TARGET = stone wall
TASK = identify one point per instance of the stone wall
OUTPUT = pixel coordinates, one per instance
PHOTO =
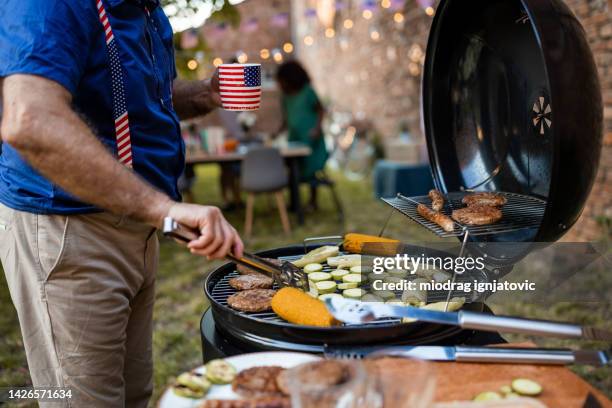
(373, 70)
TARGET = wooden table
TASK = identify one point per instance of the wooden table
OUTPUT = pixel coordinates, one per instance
(462, 381)
(292, 154)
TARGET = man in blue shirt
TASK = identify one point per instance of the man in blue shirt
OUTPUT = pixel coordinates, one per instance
(91, 155)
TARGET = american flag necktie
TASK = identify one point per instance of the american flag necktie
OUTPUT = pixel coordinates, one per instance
(120, 113)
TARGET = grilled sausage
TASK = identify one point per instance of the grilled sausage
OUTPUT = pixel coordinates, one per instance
(437, 200)
(442, 220)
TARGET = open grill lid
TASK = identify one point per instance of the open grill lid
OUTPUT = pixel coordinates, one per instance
(511, 102)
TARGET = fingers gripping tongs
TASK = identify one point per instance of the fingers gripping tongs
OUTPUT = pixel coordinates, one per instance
(284, 273)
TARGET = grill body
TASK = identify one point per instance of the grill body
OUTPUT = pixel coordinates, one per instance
(267, 329)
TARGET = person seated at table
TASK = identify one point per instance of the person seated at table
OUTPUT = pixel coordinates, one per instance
(302, 117)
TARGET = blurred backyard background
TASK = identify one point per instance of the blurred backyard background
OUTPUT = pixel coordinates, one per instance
(365, 59)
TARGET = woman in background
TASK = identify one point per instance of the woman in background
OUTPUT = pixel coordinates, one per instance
(302, 117)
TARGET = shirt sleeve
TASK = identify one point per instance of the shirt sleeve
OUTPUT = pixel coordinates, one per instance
(48, 38)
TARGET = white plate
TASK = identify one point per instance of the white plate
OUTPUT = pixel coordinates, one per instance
(241, 362)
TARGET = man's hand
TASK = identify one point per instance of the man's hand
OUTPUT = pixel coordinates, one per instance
(195, 98)
(217, 236)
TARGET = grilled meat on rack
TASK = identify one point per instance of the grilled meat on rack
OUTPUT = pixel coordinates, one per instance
(437, 217)
(437, 200)
(252, 300)
(477, 215)
(491, 199)
(251, 281)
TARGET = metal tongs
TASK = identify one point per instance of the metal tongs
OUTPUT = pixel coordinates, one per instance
(356, 312)
(284, 274)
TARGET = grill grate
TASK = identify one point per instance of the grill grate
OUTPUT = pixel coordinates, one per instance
(221, 290)
(520, 212)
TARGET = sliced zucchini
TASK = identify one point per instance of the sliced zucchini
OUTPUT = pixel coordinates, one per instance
(417, 295)
(512, 395)
(385, 294)
(488, 396)
(395, 302)
(329, 296)
(525, 386)
(312, 289)
(220, 372)
(344, 261)
(400, 273)
(317, 255)
(338, 274)
(356, 269)
(393, 279)
(505, 389)
(377, 276)
(344, 286)
(313, 267)
(325, 287)
(356, 293)
(352, 278)
(369, 297)
(455, 303)
(191, 385)
(319, 276)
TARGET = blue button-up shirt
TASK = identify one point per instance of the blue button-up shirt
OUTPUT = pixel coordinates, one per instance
(63, 40)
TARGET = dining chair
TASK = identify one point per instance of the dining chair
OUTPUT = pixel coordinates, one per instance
(263, 171)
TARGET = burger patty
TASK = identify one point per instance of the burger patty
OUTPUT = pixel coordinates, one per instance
(246, 282)
(477, 215)
(316, 375)
(491, 199)
(252, 300)
(245, 270)
(258, 382)
(264, 402)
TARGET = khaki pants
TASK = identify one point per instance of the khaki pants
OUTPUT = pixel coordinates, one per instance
(83, 287)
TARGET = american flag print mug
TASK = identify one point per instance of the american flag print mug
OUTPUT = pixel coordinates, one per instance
(240, 86)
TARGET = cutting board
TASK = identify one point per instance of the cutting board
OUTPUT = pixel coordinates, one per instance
(463, 381)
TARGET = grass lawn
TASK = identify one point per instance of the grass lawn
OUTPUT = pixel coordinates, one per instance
(181, 302)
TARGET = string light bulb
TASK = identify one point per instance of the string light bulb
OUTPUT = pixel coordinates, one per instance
(242, 58)
(192, 64)
(308, 40)
(330, 32)
(288, 47)
(375, 35)
(217, 61)
(398, 17)
(385, 4)
(348, 24)
(277, 56)
(367, 14)
(264, 53)
(430, 11)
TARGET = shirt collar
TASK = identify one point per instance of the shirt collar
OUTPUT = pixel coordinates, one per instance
(149, 4)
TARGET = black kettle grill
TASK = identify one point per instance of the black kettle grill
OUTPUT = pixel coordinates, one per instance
(511, 104)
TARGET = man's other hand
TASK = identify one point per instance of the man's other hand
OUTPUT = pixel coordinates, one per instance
(217, 236)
